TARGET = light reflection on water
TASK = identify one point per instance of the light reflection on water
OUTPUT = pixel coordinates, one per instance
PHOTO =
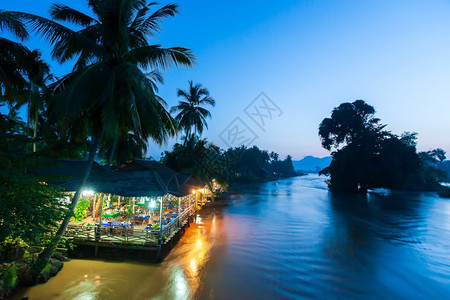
(287, 239)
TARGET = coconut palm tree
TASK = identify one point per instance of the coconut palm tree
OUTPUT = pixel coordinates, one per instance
(38, 76)
(191, 115)
(108, 87)
(12, 57)
(22, 72)
(128, 143)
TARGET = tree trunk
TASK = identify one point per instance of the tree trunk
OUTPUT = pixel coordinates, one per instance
(111, 155)
(28, 123)
(35, 130)
(49, 250)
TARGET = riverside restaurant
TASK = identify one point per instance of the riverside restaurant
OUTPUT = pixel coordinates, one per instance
(140, 205)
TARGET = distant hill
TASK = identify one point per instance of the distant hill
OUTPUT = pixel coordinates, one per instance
(311, 164)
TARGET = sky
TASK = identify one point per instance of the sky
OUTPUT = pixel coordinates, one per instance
(306, 57)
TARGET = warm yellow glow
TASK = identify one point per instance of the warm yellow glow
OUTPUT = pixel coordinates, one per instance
(193, 265)
(193, 192)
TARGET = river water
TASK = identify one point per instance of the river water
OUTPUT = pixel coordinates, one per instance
(289, 239)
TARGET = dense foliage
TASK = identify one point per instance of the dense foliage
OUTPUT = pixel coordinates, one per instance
(81, 210)
(206, 161)
(252, 164)
(197, 158)
(28, 207)
(365, 155)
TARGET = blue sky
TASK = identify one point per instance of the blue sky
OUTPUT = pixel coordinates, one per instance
(308, 57)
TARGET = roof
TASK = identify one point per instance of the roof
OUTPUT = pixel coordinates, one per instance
(137, 178)
(66, 173)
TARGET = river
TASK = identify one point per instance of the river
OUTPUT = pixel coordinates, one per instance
(289, 239)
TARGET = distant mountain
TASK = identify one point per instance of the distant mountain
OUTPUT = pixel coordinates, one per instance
(311, 164)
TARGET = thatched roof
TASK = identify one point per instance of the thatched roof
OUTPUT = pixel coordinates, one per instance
(137, 178)
(140, 178)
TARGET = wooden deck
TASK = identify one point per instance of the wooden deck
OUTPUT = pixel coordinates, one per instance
(117, 237)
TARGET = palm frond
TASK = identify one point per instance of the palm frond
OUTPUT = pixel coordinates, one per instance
(61, 12)
(155, 57)
(10, 22)
(151, 25)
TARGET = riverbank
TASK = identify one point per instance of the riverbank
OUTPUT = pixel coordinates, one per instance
(17, 272)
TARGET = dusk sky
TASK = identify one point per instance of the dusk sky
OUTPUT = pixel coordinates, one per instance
(308, 57)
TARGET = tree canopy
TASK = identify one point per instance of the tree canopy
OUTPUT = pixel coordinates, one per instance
(206, 161)
(365, 155)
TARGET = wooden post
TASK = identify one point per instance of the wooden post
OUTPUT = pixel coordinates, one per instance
(93, 207)
(101, 210)
(160, 219)
(118, 201)
(99, 228)
(179, 209)
(134, 205)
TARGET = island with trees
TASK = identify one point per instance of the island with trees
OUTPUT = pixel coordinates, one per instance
(366, 155)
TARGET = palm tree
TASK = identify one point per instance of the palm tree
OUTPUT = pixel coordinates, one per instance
(127, 143)
(22, 72)
(12, 57)
(38, 73)
(191, 114)
(108, 87)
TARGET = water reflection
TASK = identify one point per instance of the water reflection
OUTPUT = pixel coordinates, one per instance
(291, 239)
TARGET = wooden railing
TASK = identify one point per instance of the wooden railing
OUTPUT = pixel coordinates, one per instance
(170, 228)
(113, 235)
(185, 214)
(125, 236)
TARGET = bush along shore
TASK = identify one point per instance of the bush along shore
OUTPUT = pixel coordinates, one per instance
(17, 266)
(444, 192)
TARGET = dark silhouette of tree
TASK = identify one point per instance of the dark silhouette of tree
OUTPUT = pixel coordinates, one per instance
(365, 155)
(191, 115)
(252, 164)
(199, 159)
(13, 59)
(38, 77)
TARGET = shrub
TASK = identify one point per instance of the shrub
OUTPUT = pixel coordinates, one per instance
(10, 276)
(444, 192)
(81, 210)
